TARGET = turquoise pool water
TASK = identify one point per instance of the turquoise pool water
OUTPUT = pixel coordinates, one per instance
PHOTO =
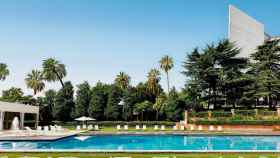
(150, 142)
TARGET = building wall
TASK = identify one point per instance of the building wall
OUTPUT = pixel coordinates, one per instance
(246, 32)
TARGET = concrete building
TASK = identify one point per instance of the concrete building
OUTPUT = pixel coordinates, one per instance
(246, 32)
(28, 115)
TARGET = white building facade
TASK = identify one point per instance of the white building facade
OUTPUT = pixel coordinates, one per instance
(246, 32)
(10, 110)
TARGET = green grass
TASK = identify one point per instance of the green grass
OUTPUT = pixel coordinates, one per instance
(144, 155)
(168, 130)
(132, 129)
(113, 129)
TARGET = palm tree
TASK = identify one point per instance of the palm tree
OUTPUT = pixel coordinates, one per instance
(34, 80)
(53, 70)
(122, 80)
(153, 80)
(4, 72)
(166, 64)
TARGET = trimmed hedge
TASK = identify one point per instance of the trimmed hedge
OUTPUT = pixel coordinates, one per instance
(114, 123)
(236, 122)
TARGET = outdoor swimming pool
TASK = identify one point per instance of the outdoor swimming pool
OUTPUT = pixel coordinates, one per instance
(150, 143)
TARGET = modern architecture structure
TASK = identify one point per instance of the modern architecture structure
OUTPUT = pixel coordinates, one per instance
(28, 115)
(246, 32)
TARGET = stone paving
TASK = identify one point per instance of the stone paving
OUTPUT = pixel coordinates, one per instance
(35, 135)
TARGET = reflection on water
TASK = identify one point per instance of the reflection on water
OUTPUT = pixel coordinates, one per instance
(152, 142)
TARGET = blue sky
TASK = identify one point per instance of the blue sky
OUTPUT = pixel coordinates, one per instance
(96, 39)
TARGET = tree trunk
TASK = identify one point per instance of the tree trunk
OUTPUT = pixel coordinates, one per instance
(167, 78)
(209, 100)
(60, 79)
(157, 116)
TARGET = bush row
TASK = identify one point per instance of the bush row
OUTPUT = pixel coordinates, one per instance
(239, 113)
(114, 123)
(236, 122)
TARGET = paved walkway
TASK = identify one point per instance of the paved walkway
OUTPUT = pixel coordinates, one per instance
(35, 135)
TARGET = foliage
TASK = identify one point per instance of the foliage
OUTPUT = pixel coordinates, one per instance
(12, 95)
(4, 71)
(160, 105)
(53, 70)
(46, 105)
(216, 78)
(174, 107)
(64, 103)
(83, 98)
(265, 72)
(122, 80)
(113, 108)
(153, 85)
(34, 80)
(113, 124)
(166, 64)
(28, 100)
(98, 102)
(129, 100)
(214, 74)
(142, 108)
(236, 122)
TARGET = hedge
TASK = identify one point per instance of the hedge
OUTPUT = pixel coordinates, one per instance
(236, 122)
(114, 123)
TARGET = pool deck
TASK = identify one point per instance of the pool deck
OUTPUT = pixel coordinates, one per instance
(35, 136)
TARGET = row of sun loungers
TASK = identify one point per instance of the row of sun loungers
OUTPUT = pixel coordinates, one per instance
(144, 127)
(54, 128)
(89, 127)
(45, 128)
(175, 128)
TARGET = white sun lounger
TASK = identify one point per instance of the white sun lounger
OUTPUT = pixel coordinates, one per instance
(162, 127)
(211, 128)
(28, 128)
(200, 128)
(46, 128)
(137, 127)
(78, 127)
(59, 128)
(144, 127)
(96, 127)
(118, 127)
(84, 126)
(156, 127)
(182, 127)
(39, 128)
(53, 129)
(220, 128)
(90, 127)
(175, 128)
(192, 127)
(125, 127)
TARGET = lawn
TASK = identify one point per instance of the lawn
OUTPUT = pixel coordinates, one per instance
(145, 155)
(113, 129)
(150, 129)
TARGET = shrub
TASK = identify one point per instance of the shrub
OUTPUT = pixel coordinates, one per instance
(115, 123)
(237, 122)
